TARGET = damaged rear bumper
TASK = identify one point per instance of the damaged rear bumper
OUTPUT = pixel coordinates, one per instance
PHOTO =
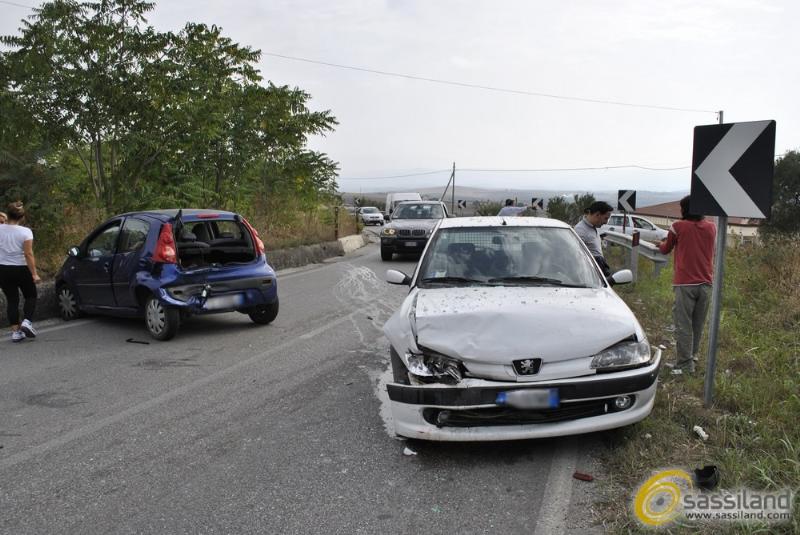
(468, 412)
(224, 296)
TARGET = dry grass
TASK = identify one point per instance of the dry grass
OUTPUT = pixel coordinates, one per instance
(754, 436)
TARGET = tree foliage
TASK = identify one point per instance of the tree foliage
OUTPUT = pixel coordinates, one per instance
(569, 211)
(785, 217)
(139, 118)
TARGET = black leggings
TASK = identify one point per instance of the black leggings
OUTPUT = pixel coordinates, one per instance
(12, 280)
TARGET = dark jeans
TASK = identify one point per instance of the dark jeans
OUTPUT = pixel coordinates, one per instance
(12, 280)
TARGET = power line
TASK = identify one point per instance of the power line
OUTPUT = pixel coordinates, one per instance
(489, 88)
(541, 170)
(15, 4)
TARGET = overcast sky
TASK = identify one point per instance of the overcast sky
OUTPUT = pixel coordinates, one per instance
(739, 56)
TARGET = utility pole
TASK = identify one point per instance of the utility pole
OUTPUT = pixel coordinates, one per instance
(453, 198)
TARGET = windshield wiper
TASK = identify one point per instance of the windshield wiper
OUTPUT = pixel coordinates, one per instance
(453, 279)
(538, 280)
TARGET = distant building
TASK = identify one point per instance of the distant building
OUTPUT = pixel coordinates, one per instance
(742, 228)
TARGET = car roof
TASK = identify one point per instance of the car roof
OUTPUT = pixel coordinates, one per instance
(189, 213)
(495, 221)
(419, 202)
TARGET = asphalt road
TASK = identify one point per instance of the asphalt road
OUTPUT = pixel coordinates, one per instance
(237, 428)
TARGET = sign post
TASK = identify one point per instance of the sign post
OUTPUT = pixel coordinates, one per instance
(732, 173)
(537, 203)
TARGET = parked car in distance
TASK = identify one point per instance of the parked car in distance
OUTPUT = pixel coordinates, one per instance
(393, 198)
(370, 215)
(410, 227)
(648, 230)
(511, 331)
(167, 265)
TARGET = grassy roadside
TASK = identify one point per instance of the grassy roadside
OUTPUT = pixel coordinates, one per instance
(754, 436)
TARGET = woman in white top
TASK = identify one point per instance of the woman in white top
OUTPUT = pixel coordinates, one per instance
(18, 272)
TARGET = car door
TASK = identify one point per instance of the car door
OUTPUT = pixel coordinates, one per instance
(646, 230)
(614, 224)
(92, 273)
(130, 248)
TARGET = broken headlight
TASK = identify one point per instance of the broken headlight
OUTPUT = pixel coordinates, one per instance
(626, 354)
(433, 365)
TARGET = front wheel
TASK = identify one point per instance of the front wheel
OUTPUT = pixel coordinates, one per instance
(68, 304)
(264, 314)
(162, 321)
(386, 254)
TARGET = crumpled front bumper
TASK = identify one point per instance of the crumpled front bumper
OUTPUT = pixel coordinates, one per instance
(415, 408)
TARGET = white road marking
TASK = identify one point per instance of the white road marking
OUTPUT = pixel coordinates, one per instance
(158, 400)
(557, 492)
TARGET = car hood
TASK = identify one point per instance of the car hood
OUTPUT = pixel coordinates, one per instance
(500, 324)
(427, 224)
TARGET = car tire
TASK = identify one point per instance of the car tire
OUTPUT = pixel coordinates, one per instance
(161, 321)
(386, 254)
(399, 370)
(68, 307)
(265, 314)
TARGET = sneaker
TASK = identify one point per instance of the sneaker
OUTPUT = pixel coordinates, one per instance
(27, 328)
(17, 336)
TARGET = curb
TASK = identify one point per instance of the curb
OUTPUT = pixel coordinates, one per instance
(278, 259)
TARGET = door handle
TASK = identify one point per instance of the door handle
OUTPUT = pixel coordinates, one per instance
(106, 266)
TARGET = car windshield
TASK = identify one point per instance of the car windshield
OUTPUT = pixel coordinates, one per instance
(507, 256)
(370, 210)
(418, 211)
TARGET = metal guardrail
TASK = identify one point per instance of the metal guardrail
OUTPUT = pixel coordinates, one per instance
(644, 248)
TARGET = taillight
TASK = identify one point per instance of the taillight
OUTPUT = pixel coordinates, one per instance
(165, 248)
(256, 239)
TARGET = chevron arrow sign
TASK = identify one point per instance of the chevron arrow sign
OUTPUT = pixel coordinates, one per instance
(732, 169)
(626, 200)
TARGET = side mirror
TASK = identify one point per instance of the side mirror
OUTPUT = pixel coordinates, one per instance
(74, 252)
(397, 277)
(623, 276)
(386, 217)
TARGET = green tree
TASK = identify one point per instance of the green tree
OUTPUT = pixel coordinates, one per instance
(569, 211)
(558, 208)
(785, 217)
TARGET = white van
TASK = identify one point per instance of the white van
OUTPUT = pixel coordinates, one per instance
(393, 198)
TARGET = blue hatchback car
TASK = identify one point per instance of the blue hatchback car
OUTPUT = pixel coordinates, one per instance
(167, 265)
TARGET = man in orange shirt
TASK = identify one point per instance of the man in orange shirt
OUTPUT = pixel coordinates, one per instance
(693, 239)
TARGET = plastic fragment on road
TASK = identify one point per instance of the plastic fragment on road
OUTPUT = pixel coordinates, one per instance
(700, 432)
(132, 341)
(409, 451)
(583, 477)
(677, 371)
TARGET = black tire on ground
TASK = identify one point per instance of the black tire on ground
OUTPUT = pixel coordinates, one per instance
(399, 370)
(162, 322)
(386, 254)
(68, 307)
(264, 314)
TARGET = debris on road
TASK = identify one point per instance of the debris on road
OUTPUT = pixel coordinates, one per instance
(677, 371)
(409, 451)
(132, 341)
(707, 477)
(648, 436)
(582, 476)
(700, 432)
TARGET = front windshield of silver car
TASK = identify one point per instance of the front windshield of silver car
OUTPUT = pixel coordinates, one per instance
(418, 211)
(507, 256)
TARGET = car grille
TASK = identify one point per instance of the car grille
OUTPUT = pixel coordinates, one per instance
(494, 416)
(411, 232)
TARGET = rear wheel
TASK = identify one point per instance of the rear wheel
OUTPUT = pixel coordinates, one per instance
(386, 254)
(161, 321)
(68, 304)
(264, 314)
(399, 370)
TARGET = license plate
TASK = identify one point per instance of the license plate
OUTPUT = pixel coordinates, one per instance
(411, 244)
(224, 301)
(544, 398)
